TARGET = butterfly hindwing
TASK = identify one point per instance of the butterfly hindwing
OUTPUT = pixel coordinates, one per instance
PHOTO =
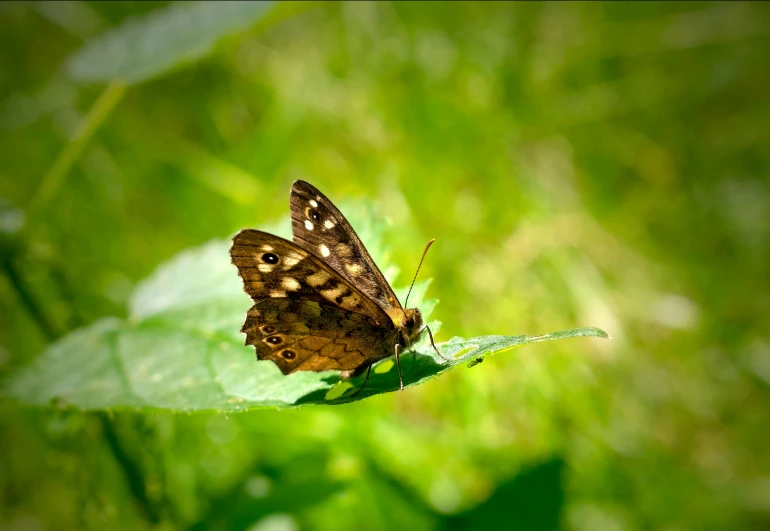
(319, 227)
(302, 335)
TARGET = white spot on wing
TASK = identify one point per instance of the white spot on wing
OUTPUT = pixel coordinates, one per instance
(324, 250)
(265, 268)
(277, 293)
(353, 269)
(308, 225)
(313, 203)
(291, 259)
(267, 247)
(333, 293)
(318, 278)
(342, 250)
(329, 224)
(290, 284)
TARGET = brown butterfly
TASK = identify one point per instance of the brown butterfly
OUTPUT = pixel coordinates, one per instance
(320, 303)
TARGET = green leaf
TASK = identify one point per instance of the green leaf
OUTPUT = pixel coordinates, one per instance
(144, 47)
(181, 349)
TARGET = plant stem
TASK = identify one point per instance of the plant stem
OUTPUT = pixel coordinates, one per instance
(134, 477)
(27, 300)
(53, 178)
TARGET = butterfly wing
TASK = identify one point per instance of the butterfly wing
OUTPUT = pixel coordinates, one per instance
(319, 227)
(304, 335)
(274, 268)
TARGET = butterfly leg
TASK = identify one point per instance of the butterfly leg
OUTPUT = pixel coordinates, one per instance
(368, 370)
(398, 364)
(434, 344)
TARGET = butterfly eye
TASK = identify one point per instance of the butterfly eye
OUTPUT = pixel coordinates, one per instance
(270, 258)
(289, 354)
(313, 214)
(274, 340)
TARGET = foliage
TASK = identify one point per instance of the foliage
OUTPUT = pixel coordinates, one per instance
(578, 163)
(180, 349)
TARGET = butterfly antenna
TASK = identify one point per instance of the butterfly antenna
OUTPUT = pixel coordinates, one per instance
(406, 302)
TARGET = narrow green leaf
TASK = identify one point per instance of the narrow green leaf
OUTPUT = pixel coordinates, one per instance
(144, 47)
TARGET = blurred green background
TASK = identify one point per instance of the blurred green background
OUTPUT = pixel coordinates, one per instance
(580, 164)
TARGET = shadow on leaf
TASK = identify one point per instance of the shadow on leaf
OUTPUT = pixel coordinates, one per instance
(415, 368)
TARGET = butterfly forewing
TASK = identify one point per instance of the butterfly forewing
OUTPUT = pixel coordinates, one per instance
(320, 228)
(272, 267)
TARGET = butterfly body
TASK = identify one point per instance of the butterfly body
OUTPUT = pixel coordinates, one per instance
(320, 302)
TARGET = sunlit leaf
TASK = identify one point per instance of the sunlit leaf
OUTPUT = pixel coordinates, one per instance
(181, 349)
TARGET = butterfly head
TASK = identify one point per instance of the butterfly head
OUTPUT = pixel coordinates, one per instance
(410, 325)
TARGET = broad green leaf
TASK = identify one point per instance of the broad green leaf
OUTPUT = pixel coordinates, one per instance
(181, 349)
(145, 47)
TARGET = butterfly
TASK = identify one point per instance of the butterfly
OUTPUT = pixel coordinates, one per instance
(320, 302)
